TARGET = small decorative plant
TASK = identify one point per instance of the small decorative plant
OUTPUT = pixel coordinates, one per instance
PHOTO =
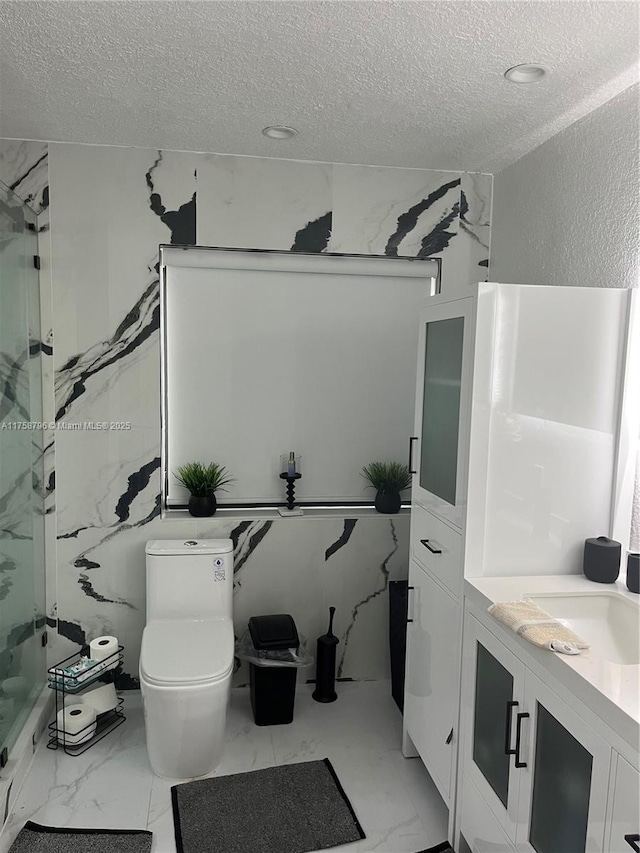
(388, 479)
(202, 482)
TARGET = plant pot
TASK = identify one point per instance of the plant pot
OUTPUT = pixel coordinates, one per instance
(202, 507)
(388, 502)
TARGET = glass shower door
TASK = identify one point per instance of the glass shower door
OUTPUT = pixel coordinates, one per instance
(22, 594)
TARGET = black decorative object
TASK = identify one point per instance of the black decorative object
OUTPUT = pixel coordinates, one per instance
(291, 479)
(290, 467)
(202, 506)
(389, 479)
(388, 502)
(602, 559)
(326, 664)
(633, 572)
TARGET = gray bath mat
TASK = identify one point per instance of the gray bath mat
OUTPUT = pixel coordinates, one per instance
(288, 809)
(34, 838)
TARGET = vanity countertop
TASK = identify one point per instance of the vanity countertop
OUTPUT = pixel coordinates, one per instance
(610, 690)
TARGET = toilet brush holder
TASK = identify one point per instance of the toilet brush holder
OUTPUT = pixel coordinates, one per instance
(326, 664)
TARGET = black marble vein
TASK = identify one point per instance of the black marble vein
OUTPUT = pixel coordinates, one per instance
(137, 481)
(349, 525)
(181, 222)
(354, 613)
(439, 237)
(71, 631)
(16, 184)
(243, 549)
(87, 588)
(314, 236)
(83, 563)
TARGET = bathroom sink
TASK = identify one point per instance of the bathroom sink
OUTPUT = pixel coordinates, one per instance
(609, 622)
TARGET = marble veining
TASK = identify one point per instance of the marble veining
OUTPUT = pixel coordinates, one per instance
(355, 611)
(349, 525)
(246, 537)
(314, 236)
(438, 238)
(181, 222)
(102, 491)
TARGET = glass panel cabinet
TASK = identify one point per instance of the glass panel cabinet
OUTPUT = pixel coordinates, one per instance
(542, 771)
(443, 397)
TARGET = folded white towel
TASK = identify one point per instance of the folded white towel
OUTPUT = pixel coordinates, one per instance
(537, 626)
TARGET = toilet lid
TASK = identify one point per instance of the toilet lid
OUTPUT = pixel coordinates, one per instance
(176, 651)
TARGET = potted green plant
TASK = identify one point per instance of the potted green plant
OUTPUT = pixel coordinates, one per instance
(388, 479)
(202, 482)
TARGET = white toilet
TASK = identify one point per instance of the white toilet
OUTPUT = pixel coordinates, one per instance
(186, 660)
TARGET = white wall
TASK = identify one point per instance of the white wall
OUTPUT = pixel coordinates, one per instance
(568, 212)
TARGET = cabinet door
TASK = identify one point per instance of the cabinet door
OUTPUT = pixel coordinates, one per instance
(624, 830)
(494, 688)
(443, 391)
(432, 675)
(565, 777)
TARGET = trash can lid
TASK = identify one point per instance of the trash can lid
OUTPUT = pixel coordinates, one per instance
(273, 632)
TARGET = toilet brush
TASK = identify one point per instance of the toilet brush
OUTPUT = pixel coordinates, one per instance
(326, 664)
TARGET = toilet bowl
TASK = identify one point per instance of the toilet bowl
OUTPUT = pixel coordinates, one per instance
(186, 658)
(185, 679)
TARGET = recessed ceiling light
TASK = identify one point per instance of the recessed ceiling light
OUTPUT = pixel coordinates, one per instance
(528, 73)
(279, 131)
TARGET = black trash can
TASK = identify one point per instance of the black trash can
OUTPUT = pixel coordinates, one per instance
(273, 688)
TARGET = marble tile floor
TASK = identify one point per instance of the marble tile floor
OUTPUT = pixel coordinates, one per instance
(111, 785)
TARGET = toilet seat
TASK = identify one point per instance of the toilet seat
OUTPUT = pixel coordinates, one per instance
(179, 653)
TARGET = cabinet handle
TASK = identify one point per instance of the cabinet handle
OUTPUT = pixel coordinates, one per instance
(411, 440)
(408, 588)
(516, 751)
(507, 729)
(449, 738)
(433, 550)
(633, 841)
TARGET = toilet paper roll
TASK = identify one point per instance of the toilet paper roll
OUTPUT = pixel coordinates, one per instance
(101, 698)
(76, 724)
(102, 648)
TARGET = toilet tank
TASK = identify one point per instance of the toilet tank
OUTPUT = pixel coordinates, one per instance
(189, 579)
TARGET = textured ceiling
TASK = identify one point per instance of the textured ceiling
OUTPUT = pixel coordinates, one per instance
(393, 83)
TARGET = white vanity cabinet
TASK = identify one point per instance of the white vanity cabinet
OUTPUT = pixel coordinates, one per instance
(431, 695)
(623, 830)
(514, 459)
(534, 773)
